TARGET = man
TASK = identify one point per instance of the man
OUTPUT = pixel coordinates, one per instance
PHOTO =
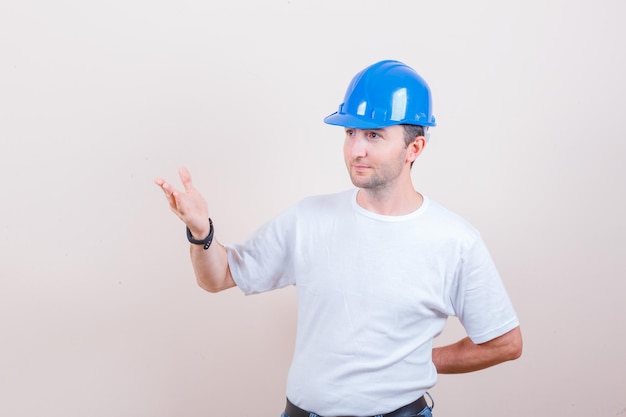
(378, 268)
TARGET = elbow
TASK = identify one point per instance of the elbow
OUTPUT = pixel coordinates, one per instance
(213, 285)
(516, 345)
(212, 290)
(515, 352)
(209, 287)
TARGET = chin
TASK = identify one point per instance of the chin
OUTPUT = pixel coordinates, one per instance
(363, 183)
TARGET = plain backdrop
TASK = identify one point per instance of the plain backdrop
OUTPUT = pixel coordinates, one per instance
(99, 311)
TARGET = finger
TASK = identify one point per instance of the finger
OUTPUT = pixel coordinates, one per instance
(168, 190)
(185, 178)
(164, 186)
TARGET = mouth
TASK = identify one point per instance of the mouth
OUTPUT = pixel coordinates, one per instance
(360, 168)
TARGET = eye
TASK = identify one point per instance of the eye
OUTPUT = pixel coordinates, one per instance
(349, 132)
(373, 135)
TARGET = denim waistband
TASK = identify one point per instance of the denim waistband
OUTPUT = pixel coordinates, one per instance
(413, 409)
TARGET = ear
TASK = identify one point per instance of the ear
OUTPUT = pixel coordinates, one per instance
(415, 148)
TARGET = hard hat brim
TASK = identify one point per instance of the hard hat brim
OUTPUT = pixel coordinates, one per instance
(347, 120)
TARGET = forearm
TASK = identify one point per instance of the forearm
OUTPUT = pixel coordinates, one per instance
(211, 267)
(466, 356)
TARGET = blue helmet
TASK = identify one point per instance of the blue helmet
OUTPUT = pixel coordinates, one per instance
(384, 94)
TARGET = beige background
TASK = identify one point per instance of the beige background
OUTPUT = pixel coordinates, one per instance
(99, 312)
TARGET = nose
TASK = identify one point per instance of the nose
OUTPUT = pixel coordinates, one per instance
(357, 144)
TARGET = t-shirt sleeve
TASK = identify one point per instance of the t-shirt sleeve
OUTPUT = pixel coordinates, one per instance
(265, 261)
(481, 301)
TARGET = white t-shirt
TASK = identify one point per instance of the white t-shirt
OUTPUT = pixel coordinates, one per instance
(373, 292)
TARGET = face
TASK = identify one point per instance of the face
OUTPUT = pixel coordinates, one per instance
(376, 158)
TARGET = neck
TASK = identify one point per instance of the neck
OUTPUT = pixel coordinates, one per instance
(388, 202)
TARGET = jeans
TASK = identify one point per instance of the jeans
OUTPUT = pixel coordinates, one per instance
(426, 412)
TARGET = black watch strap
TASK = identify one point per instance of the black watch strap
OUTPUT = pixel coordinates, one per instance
(206, 241)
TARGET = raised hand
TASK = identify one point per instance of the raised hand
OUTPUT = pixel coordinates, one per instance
(188, 205)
